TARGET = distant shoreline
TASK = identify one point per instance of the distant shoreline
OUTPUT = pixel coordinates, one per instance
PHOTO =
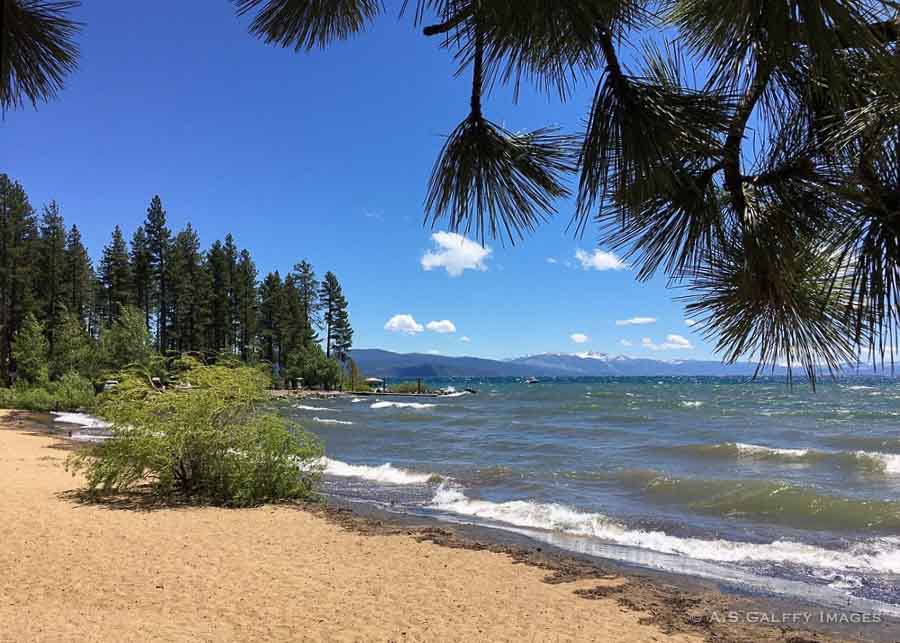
(321, 572)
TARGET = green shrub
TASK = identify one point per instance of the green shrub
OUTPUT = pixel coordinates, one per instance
(73, 392)
(126, 341)
(33, 398)
(206, 438)
(312, 366)
(7, 398)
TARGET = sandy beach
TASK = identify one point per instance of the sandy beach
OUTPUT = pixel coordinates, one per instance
(73, 571)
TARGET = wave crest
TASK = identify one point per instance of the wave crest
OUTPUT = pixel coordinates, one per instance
(880, 556)
(386, 473)
(401, 405)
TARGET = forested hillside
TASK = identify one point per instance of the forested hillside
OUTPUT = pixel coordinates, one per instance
(62, 311)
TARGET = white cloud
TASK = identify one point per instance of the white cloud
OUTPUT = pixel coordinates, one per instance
(690, 322)
(599, 260)
(625, 342)
(455, 253)
(465, 338)
(373, 214)
(434, 351)
(551, 260)
(673, 343)
(403, 324)
(579, 338)
(443, 326)
(636, 321)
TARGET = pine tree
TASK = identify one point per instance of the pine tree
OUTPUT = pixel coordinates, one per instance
(245, 294)
(142, 274)
(18, 257)
(74, 349)
(292, 323)
(220, 306)
(189, 319)
(159, 245)
(115, 276)
(231, 305)
(338, 334)
(342, 332)
(51, 282)
(308, 289)
(270, 296)
(96, 311)
(31, 352)
(79, 275)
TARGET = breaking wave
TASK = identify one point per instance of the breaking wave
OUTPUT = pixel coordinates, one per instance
(881, 555)
(768, 501)
(386, 472)
(331, 421)
(401, 405)
(867, 460)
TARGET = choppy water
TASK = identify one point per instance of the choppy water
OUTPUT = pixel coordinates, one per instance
(793, 492)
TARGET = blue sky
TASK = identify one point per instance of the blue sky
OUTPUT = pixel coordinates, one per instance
(324, 156)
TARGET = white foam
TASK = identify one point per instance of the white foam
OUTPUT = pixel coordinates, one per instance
(756, 449)
(401, 405)
(304, 407)
(692, 404)
(330, 421)
(879, 556)
(889, 462)
(81, 419)
(383, 473)
(357, 400)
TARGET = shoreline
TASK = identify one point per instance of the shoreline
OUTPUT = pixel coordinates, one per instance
(582, 594)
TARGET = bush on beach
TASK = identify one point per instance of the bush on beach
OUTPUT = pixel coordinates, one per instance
(71, 393)
(207, 438)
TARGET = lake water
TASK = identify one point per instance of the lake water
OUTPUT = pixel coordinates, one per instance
(792, 492)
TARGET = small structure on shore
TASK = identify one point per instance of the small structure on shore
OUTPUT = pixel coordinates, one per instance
(375, 383)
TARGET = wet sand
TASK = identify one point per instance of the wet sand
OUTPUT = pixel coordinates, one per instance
(125, 570)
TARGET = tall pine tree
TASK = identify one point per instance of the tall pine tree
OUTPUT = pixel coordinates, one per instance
(338, 333)
(245, 295)
(79, 277)
(51, 283)
(270, 297)
(308, 290)
(231, 305)
(142, 273)
(220, 305)
(18, 255)
(186, 275)
(115, 277)
(159, 245)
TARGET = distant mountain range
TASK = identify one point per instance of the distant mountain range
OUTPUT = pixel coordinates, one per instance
(381, 363)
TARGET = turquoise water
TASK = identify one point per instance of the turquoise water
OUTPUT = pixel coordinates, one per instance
(788, 491)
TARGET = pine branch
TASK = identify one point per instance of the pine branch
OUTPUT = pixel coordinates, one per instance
(732, 149)
(797, 168)
(448, 25)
